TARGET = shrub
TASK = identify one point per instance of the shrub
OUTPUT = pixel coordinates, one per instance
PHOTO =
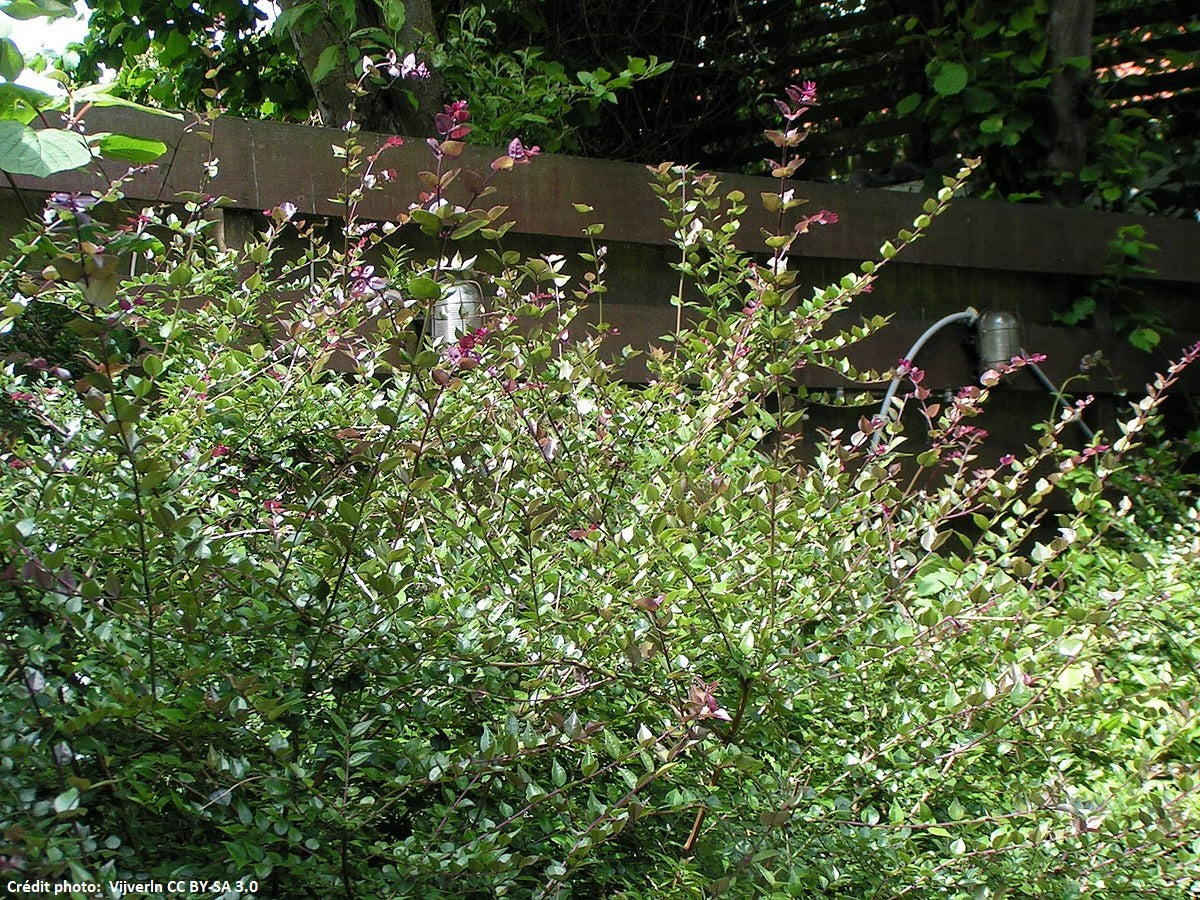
(485, 619)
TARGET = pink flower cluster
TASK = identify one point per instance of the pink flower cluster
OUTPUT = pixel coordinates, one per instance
(39, 364)
(802, 96)
(451, 122)
(363, 280)
(407, 68)
(464, 354)
(907, 369)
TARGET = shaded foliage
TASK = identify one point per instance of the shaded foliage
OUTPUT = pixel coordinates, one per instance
(1063, 99)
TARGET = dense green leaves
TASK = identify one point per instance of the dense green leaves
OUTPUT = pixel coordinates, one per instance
(485, 619)
(41, 152)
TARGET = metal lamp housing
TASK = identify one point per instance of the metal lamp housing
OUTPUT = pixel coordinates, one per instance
(459, 311)
(999, 338)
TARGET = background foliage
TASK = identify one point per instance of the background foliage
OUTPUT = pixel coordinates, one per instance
(1069, 100)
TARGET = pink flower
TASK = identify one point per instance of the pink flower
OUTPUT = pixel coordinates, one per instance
(519, 153)
(363, 280)
(906, 368)
(802, 96)
(75, 203)
(219, 451)
(407, 67)
(451, 122)
(138, 222)
(1007, 459)
(702, 702)
(805, 94)
(824, 217)
(281, 213)
(464, 354)
(460, 358)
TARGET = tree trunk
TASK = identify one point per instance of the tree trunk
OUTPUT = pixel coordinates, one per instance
(384, 110)
(1070, 36)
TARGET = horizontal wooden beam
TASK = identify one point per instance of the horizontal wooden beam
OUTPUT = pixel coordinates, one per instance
(262, 164)
(1167, 13)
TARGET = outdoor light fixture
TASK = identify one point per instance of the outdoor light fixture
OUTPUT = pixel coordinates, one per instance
(460, 310)
(999, 335)
(1000, 340)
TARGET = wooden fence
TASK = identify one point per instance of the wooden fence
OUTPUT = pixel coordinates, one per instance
(1031, 260)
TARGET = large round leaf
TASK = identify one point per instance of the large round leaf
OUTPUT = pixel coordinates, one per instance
(24, 151)
(951, 78)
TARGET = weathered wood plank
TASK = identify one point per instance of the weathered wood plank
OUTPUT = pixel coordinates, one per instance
(266, 163)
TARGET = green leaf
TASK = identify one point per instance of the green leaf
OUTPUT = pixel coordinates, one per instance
(326, 63)
(394, 14)
(467, 228)
(289, 17)
(979, 100)
(951, 78)
(24, 151)
(429, 223)
(1145, 338)
(1023, 19)
(12, 63)
(908, 105)
(33, 9)
(933, 583)
(67, 800)
(20, 102)
(991, 125)
(424, 288)
(99, 95)
(1080, 310)
(129, 148)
